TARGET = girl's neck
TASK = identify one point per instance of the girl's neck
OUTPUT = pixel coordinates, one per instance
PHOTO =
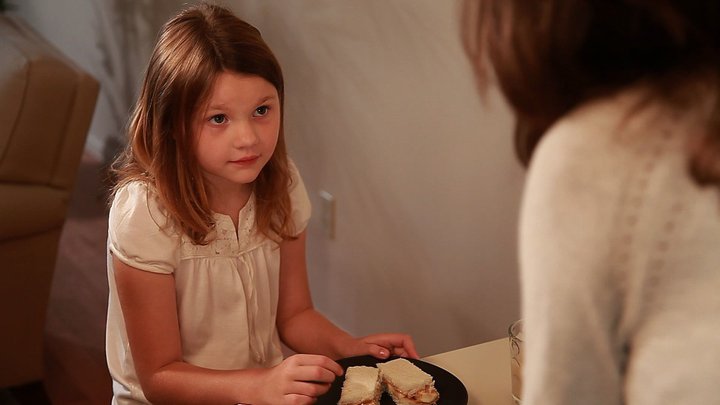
(230, 201)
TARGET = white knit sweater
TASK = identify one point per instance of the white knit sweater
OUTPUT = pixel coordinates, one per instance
(620, 259)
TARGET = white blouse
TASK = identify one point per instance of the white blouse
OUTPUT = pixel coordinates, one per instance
(227, 290)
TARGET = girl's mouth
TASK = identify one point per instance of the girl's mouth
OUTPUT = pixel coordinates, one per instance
(246, 160)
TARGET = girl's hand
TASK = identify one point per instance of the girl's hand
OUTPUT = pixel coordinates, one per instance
(299, 380)
(382, 346)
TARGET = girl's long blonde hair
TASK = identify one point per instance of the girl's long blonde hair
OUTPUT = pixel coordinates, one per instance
(192, 50)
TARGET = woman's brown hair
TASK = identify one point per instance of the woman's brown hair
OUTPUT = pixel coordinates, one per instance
(549, 56)
(192, 50)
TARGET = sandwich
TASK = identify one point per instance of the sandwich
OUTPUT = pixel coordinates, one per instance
(407, 384)
(362, 386)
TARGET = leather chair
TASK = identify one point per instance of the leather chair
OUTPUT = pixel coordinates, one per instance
(46, 105)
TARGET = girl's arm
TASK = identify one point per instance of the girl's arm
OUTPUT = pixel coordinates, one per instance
(305, 330)
(150, 313)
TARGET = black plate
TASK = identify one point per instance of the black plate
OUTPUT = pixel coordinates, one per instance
(452, 391)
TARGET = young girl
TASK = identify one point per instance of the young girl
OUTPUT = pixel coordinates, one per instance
(206, 238)
(619, 119)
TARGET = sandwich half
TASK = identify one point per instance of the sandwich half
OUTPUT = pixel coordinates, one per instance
(362, 386)
(407, 384)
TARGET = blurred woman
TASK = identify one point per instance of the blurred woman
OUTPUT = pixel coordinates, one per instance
(618, 122)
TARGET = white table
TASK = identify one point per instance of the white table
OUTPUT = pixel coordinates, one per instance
(484, 369)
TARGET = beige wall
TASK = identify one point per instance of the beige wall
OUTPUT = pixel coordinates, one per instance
(382, 113)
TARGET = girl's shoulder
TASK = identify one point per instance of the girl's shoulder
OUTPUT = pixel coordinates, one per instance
(135, 204)
(139, 230)
(131, 192)
(299, 199)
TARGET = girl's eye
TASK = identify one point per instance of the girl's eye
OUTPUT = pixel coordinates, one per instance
(261, 111)
(218, 119)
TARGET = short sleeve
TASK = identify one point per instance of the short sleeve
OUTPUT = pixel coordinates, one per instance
(301, 208)
(138, 231)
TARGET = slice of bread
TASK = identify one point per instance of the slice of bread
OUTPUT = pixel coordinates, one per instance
(408, 384)
(362, 386)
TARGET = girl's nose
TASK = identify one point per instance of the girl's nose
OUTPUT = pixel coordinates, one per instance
(244, 135)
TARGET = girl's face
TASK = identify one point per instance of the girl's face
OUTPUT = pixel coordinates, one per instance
(238, 131)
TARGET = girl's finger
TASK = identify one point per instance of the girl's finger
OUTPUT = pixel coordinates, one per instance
(394, 341)
(378, 351)
(316, 360)
(308, 389)
(315, 374)
(399, 351)
(298, 399)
